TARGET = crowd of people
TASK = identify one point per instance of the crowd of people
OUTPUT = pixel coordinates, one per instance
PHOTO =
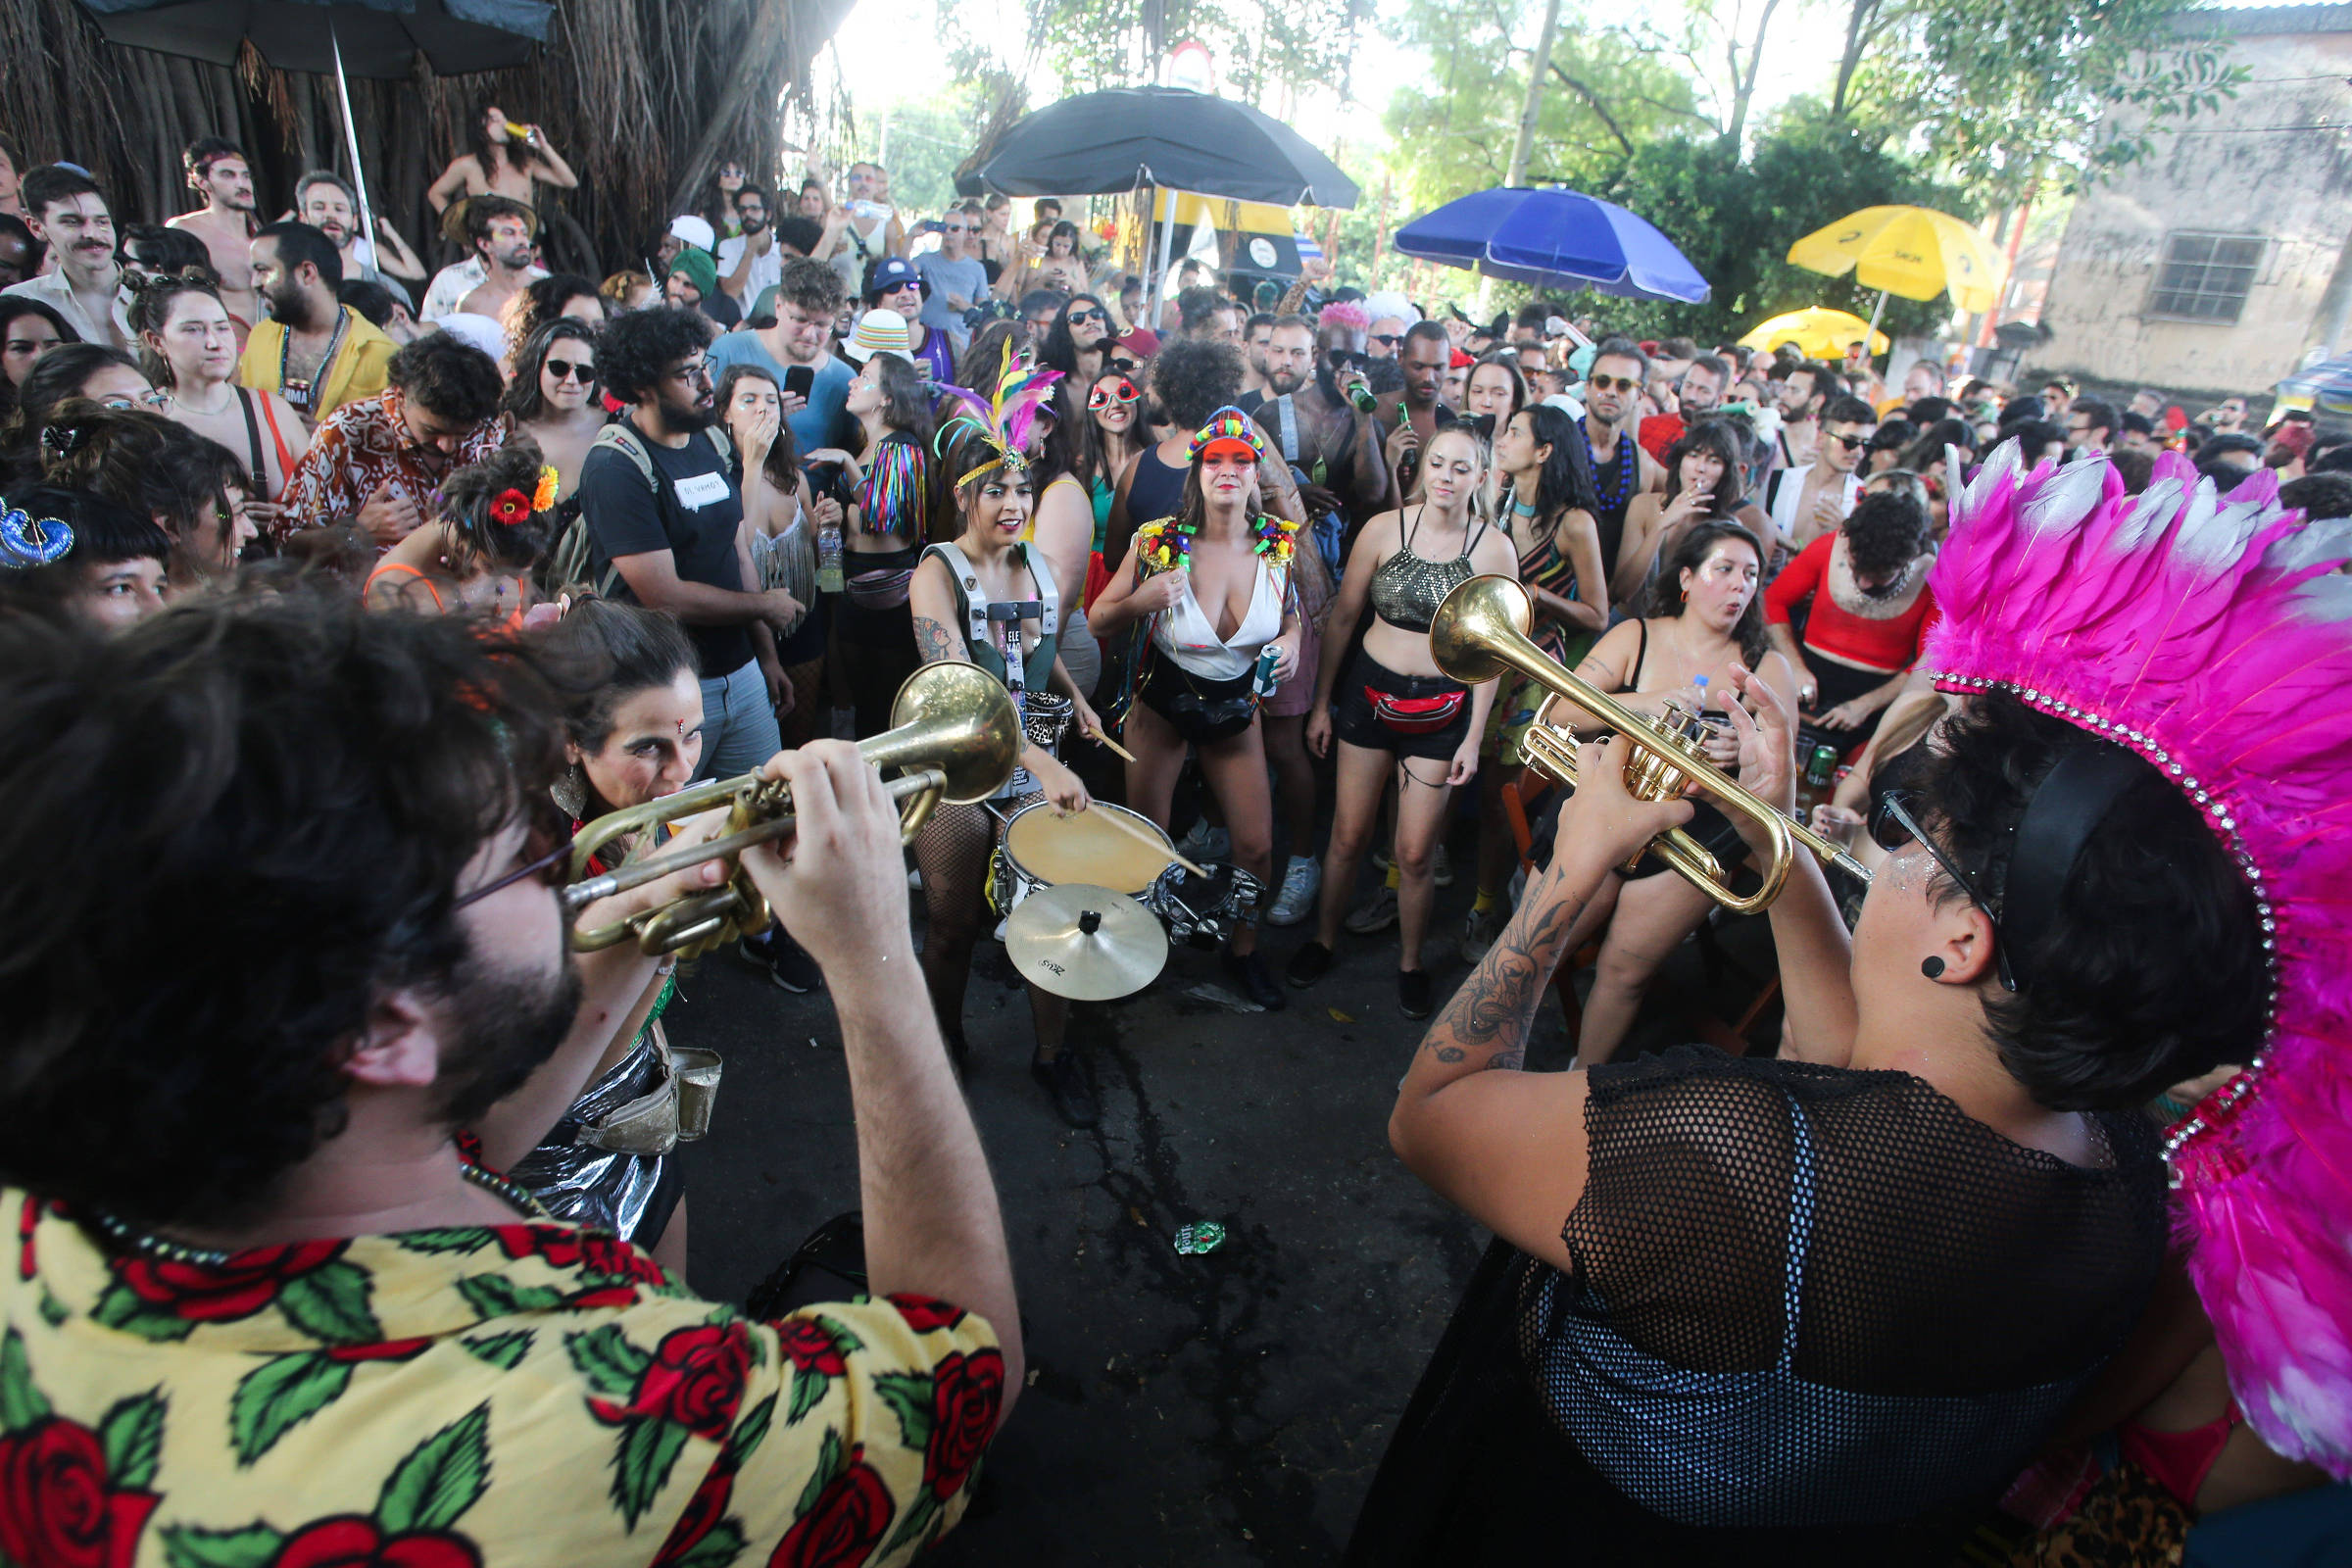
(342, 593)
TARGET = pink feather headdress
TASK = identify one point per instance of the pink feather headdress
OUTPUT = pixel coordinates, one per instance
(1004, 423)
(2213, 636)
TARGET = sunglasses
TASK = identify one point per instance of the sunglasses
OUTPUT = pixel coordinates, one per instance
(1893, 828)
(1106, 393)
(1388, 339)
(546, 846)
(1611, 383)
(1096, 317)
(958, 228)
(565, 369)
(1852, 443)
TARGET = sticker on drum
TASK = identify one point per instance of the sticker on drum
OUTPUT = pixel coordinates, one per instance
(1041, 849)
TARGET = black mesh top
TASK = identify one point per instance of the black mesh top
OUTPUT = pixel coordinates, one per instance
(1805, 1294)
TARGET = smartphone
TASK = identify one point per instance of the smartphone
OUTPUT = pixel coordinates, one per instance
(798, 380)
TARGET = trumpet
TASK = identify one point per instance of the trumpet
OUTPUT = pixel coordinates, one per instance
(1481, 630)
(954, 730)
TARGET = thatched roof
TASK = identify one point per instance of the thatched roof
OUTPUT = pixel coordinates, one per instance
(643, 97)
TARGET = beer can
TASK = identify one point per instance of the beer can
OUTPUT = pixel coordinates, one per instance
(1822, 765)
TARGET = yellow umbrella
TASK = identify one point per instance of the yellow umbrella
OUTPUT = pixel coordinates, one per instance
(1818, 331)
(1916, 252)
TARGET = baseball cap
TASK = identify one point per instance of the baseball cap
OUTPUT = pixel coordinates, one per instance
(891, 271)
(880, 332)
(694, 230)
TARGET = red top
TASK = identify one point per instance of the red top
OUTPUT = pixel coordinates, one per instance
(1886, 646)
(1659, 432)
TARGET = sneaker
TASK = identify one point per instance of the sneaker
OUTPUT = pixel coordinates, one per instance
(1376, 914)
(1248, 971)
(1442, 869)
(1301, 880)
(1413, 993)
(1064, 1084)
(785, 960)
(1205, 843)
(1308, 964)
(1479, 932)
(1381, 861)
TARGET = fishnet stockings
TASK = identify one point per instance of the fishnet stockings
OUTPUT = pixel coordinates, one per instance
(952, 851)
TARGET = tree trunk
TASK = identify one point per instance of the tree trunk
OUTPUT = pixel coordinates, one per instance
(1744, 87)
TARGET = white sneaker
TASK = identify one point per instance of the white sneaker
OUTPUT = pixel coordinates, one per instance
(1301, 880)
(1376, 914)
(1206, 843)
(1479, 932)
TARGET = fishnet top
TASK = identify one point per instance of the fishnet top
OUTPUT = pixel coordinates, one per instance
(1804, 1295)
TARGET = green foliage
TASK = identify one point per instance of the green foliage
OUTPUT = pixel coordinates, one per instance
(2004, 95)
(1605, 96)
(927, 138)
(1262, 52)
(1736, 221)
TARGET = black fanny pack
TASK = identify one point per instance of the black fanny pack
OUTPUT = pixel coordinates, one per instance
(1199, 710)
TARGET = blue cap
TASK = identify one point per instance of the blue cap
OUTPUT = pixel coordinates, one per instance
(891, 271)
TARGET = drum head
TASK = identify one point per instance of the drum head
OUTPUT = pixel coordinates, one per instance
(1085, 848)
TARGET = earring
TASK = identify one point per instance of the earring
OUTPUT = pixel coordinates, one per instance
(1933, 968)
(570, 790)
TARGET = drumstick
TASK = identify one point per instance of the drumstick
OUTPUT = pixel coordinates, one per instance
(1144, 836)
(1117, 750)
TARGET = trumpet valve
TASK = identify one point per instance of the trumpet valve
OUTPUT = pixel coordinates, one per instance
(1652, 775)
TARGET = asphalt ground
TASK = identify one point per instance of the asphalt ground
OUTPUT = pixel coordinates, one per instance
(1222, 1408)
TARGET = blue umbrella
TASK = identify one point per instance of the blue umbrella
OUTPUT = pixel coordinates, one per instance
(1554, 239)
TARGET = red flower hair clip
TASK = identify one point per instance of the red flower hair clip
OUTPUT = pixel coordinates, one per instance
(511, 507)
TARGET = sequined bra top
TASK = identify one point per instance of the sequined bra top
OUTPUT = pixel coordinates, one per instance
(1408, 589)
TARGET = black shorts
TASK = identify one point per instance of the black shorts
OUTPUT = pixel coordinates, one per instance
(1354, 721)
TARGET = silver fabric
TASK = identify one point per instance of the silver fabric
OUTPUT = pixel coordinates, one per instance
(577, 1180)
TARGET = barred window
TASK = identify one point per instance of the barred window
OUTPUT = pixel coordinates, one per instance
(2205, 278)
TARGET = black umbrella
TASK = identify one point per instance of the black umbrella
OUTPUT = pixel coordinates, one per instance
(336, 38)
(356, 37)
(1172, 137)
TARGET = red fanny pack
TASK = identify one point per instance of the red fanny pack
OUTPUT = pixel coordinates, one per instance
(1414, 715)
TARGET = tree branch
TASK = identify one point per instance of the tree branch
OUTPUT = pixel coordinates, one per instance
(1603, 110)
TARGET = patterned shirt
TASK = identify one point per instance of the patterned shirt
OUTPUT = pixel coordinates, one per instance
(465, 1397)
(366, 443)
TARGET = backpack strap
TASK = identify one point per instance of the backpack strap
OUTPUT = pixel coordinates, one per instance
(618, 437)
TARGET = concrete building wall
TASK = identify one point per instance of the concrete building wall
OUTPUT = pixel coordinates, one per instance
(2273, 162)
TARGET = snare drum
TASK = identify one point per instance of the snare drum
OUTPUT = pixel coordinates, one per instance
(1041, 850)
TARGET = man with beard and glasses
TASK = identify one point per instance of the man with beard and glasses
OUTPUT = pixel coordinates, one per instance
(267, 1284)
(66, 213)
(376, 463)
(316, 352)
(1332, 445)
(323, 200)
(664, 510)
(216, 171)
(1620, 469)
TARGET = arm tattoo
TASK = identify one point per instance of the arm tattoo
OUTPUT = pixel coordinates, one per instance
(1492, 1012)
(933, 642)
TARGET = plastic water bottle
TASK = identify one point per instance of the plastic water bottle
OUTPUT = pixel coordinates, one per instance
(828, 559)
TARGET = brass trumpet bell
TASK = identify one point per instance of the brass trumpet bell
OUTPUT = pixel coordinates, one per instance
(1480, 631)
(954, 730)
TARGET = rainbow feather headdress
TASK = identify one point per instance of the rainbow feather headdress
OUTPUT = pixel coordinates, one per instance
(1004, 423)
(2213, 636)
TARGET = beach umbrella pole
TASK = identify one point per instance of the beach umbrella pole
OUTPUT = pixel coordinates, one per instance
(351, 132)
(1875, 312)
(1165, 252)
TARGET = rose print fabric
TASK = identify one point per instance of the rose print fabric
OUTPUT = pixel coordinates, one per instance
(529, 1393)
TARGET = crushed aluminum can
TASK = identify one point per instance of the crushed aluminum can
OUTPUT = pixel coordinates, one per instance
(1204, 1236)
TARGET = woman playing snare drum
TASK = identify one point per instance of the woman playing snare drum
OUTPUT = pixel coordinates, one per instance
(953, 587)
(1214, 581)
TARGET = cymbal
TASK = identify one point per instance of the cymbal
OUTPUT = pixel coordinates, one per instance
(1085, 943)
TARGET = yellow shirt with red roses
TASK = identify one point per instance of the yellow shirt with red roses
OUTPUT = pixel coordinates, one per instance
(472, 1398)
